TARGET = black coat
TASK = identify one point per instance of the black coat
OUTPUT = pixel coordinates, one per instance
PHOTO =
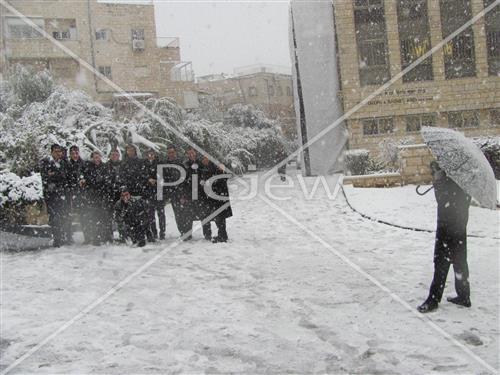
(113, 170)
(133, 213)
(172, 175)
(208, 203)
(133, 175)
(97, 184)
(55, 178)
(196, 206)
(75, 174)
(453, 204)
(151, 171)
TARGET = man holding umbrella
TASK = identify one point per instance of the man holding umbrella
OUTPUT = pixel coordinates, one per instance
(451, 241)
(460, 172)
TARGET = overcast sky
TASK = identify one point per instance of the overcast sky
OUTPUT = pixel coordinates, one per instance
(219, 36)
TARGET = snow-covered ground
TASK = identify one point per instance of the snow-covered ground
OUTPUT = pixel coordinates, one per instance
(404, 207)
(272, 300)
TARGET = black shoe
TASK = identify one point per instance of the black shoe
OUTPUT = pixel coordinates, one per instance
(162, 237)
(56, 244)
(141, 243)
(461, 301)
(219, 239)
(208, 238)
(188, 238)
(427, 306)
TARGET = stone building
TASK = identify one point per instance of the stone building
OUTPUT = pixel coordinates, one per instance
(118, 39)
(458, 86)
(266, 87)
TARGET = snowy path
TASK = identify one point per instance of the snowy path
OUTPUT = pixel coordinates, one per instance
(273, 300)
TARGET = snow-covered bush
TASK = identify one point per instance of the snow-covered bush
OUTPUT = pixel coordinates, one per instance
(35, 114)
(389, 152)
(357, 162)
(248, 116)
(15, 189)
(25, 86)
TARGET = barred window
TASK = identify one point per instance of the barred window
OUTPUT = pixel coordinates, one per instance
(495, 117)
(415, 39)
(18, 29)
(371, 37)
(105, 71)
(415, 122)
(463, 119)
(375, 126)
(459, 53)
(101, 34)
(492, 25)
(137, 34)
(252, 91)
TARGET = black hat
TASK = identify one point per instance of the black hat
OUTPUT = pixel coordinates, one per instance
(124, 189)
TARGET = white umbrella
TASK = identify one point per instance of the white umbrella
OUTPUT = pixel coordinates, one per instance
(464, 163)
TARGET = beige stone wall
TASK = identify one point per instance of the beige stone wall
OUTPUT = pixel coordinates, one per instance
(374, 181)
(131, 70)
(414, 164)
(401, 99)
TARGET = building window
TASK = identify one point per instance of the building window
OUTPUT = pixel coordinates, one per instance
(463, 119)
(371, 38)
(105, 71)
(492, 24)
(138, 34)
(18, 29)
(415, 122)
(279, 89)
(101, 34)
(459, 53)
(375, 126)
(495, 117)
(252, 91)
(415, 39)
(61, 28)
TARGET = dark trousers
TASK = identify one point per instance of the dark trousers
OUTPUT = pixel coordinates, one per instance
(156, 207)
(137, 231)
(58, 216)
(97, 219)
(450, 248)
(220, 222)
(182, 216)
(221, 227)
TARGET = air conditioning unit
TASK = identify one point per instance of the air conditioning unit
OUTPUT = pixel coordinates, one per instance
(138, 44)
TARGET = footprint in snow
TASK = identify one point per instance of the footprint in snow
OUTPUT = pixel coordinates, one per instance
(470, 338)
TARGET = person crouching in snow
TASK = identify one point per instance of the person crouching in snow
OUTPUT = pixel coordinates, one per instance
(451, 241)
(131, 213)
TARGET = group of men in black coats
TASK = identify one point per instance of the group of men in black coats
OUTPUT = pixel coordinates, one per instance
(126, 192)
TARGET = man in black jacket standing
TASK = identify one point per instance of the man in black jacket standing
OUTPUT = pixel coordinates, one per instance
(155, 206)
(175, 174)
(213, 182)
(451, 241)
(76, 195)
(132, 171)
(96, 182)
(54, 172)
(113, 170)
